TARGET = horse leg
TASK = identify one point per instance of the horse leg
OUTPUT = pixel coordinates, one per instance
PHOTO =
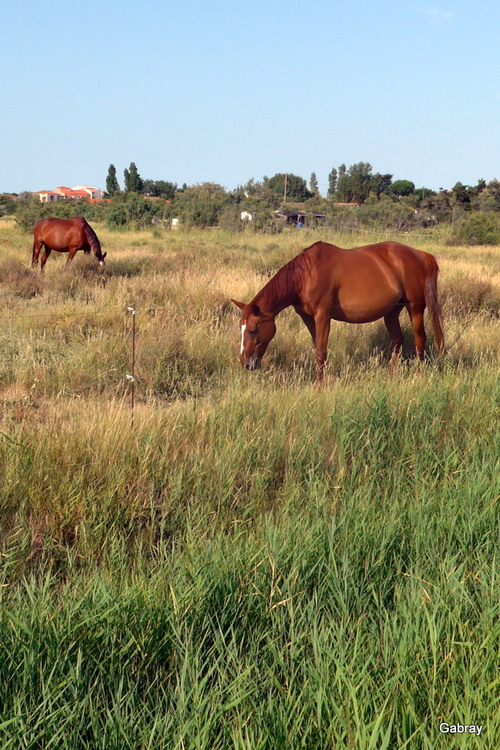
(309, 323)
(37, 246)
(319, 335)
(322, 327)
(395, 334)
(416, 312)
(46, 253)
(71, 255)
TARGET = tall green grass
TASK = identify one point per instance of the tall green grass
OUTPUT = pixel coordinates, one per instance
(248, 563)
(290, 640)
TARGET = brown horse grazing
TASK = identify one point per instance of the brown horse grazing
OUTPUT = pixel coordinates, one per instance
(65, 236)
(360, 285)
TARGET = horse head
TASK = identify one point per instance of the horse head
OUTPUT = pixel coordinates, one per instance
(93, 242)
(257, 330)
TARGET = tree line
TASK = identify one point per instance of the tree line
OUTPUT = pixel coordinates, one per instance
(354, 184)
(133, 183)
(356, 198)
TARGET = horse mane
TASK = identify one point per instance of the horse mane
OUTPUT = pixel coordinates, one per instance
(92, 238)
(283, 288)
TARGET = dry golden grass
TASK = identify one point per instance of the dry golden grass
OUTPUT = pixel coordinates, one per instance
(68, 333)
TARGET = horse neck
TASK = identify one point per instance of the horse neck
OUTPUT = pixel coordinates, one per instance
(281, 291)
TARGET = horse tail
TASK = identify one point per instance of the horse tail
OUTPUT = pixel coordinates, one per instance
(93, 241)
(432, 302)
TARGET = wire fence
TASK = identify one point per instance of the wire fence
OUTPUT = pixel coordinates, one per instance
(409, 232)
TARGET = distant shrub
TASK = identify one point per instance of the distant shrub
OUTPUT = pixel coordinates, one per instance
(28, 212)
(386, 213)
(7, 205)
(132, 210)
(476, 229)
(117, 216)
(201, 205)
(31, 210)
(230, 219)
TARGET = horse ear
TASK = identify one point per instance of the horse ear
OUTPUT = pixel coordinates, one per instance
(241, 305)
(256, 310)
(104, 255)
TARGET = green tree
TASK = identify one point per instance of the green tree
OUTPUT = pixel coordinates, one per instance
(461, 194)
(356, 183)
(386, 212)
(112, 186)
(342, 192)
(360, 181)
(132, 210)
(423, 193)
(259, 190)
(380, 184)
(252, 187)
(313, 184)
(489, 199)
(438, 205)
(30, 210)
(261, 208)
(296, 187)
(493, 187)
(477, 229)
(7, 205)
(478, 189)
(402, 187)
(200, 205)
(160, 189)
(332, 183)
(133, 181)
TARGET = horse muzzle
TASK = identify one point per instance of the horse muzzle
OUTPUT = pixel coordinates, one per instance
(254, 363)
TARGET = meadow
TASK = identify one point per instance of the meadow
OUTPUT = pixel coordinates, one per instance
(243, 561)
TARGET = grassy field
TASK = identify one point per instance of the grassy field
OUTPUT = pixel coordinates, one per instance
(248, 563)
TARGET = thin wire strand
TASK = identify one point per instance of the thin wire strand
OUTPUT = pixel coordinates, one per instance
(122, 311)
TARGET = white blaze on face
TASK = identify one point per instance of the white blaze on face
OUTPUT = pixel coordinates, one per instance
(243, 328)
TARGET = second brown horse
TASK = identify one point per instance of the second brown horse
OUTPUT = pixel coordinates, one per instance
(360, 285)
(65, 236)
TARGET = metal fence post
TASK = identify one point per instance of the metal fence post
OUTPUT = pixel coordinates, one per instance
(131, 377)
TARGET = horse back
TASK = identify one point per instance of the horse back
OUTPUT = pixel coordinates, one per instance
(363, 283)
(60, 234)
(394, 260)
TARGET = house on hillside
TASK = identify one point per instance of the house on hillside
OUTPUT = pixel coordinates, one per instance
(62, 193)
(92, 192)
(49, 196)
(71, 193)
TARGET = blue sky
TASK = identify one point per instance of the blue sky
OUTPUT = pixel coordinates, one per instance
(225, 91)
